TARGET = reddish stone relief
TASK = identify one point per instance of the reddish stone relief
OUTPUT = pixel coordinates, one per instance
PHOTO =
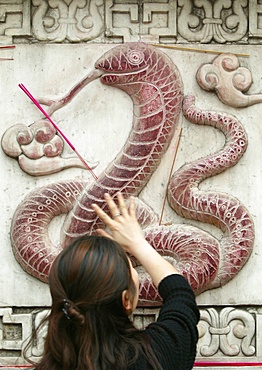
(154, 84)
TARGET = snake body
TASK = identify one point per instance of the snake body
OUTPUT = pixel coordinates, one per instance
(154, 84)
(220, 209)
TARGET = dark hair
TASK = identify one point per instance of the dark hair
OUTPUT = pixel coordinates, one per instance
(88, 328)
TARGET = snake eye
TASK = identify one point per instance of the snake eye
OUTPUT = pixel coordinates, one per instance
(135, 57)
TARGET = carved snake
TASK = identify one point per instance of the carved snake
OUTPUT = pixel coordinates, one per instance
(154, 84)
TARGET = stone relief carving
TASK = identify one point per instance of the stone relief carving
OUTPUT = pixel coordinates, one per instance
(228, 331)
(14, 19)
(15, 328)
(128, 20)
(38, 149)
(155, 87)
(75, 21)
(206, 21)
(122, 20)
(230, 25)
(228, 80)
(84, 20)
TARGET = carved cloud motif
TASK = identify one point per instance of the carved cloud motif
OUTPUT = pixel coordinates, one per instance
(38, 149)
(228, 80)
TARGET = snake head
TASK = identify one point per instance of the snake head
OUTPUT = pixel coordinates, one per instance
(123, 63)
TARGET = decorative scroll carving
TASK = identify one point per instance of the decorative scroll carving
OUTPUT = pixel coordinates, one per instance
(129, 20)
(230, 331)
(83, 20)
(37, 349)
(227, 332)
(228, 80)
(75, 21)
(206, 21)
(14, 19)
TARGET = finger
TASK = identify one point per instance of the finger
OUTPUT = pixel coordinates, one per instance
(102, 232)
(132, 207)
(122, 204)
(102, 215)
(113, 208)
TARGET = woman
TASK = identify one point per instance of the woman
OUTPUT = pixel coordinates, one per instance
(94, 289)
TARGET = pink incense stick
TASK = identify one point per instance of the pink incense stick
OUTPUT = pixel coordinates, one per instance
(56, 127)
(7, 46)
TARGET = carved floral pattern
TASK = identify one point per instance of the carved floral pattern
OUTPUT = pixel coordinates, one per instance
(205, 21)
(77, 20)
(228, 331)
(84, 20)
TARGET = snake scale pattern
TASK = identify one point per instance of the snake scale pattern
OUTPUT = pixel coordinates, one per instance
(154, 84)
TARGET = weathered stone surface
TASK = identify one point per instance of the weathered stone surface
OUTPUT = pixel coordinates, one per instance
(56, 48)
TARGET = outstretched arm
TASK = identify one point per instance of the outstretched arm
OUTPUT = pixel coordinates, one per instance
(125, 229)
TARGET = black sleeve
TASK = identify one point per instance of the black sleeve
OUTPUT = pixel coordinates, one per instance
(174, 335)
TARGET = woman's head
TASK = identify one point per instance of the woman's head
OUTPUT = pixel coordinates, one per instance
(93, 273)
(94, 288)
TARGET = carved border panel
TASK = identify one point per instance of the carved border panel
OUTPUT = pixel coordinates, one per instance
(226, 334)
(133, 19)
(167, 21)
(14, 19)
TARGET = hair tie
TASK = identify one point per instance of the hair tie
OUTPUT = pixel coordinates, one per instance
(65, 308)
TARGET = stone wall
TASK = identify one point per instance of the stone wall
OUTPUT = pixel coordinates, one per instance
(56, 47)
